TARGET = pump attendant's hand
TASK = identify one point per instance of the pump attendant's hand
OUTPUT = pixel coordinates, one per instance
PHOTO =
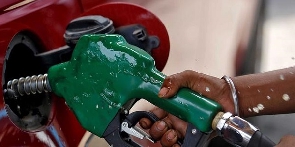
(170, 128)
(264, 93)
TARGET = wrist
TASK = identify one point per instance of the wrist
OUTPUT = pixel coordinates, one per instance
(232, 95)
(233, 92)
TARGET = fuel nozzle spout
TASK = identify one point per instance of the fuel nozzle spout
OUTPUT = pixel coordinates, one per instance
(28, 85)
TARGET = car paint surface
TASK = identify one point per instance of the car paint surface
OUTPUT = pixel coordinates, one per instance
(46, 20)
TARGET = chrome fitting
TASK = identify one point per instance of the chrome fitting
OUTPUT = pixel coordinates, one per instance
(235, 130)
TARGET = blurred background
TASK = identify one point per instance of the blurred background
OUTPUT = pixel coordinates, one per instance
(227, 37)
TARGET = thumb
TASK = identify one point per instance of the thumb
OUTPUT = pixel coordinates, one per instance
(174, 82)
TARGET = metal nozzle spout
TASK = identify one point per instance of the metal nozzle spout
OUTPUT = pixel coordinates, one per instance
(27, 86)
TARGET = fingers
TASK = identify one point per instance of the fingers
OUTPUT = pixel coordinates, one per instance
(172, 83)
(208, 86)
(168, 130)
(158, 129)
(146, 123)
(178, 125)
(169, 139)
(198, 82)
(160, 113)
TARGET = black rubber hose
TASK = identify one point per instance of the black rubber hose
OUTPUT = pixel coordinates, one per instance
(260, 140)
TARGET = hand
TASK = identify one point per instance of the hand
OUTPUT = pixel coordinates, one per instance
(170, 128)
(287, 141)
(211, 87)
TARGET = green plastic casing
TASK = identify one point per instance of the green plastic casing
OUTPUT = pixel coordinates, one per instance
(105, 72)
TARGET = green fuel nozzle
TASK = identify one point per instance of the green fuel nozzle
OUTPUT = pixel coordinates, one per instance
(105, 72)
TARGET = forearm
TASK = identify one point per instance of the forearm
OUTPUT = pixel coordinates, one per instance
(266, 93)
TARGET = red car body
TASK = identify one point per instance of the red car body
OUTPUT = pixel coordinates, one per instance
(45, 22)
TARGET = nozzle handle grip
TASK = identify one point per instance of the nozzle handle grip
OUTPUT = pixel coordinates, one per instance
(260, 140)
(187, 105)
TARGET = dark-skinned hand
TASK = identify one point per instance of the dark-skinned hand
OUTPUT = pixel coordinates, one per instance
(170, 128)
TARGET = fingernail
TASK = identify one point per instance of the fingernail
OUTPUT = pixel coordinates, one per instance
(143, 124)
(163, 91)
(161, 126)
(171, 135)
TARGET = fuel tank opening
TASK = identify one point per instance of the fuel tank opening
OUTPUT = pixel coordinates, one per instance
(33, 112)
